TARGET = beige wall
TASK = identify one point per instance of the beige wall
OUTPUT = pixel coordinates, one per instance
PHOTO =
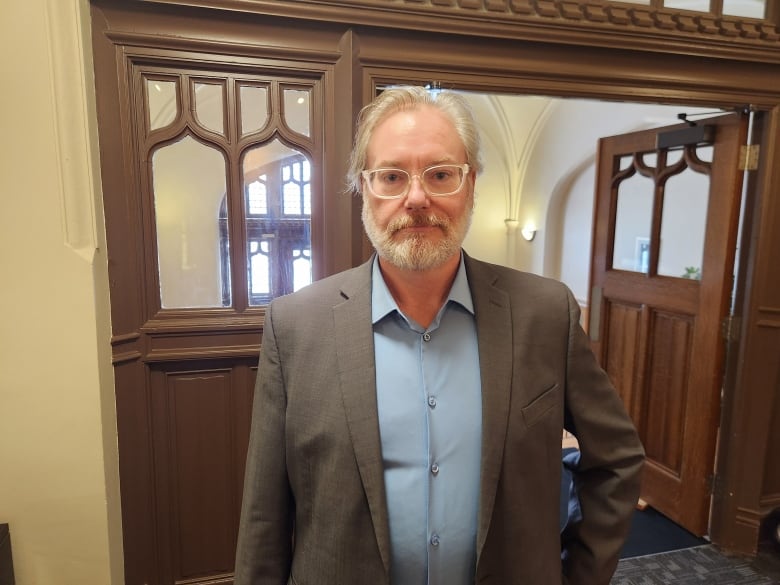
(58, 462)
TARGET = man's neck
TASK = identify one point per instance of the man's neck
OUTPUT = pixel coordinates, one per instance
(420, 293)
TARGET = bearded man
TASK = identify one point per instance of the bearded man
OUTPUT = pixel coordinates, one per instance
(408, 413)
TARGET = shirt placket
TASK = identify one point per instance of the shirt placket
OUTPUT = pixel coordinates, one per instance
(432, 401)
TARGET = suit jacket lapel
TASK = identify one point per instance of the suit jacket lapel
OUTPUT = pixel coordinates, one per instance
(355, 352)
(494, 333)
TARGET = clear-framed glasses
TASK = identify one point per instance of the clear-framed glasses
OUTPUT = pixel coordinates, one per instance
(436, 181)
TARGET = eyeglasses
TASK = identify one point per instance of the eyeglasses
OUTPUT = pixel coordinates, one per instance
(436, 181)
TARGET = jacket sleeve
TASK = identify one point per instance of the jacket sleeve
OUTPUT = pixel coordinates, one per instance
(607, 478)
(264, 550)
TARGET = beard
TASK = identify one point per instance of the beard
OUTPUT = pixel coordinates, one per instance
(416, 251)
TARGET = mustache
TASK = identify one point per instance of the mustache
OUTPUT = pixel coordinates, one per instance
(418, 220)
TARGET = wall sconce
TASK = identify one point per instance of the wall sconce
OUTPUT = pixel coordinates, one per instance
(528, 232)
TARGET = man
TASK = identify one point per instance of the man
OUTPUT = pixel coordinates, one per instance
(408, 413)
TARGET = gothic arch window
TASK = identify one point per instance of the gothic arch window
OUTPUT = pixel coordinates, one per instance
(277, 204)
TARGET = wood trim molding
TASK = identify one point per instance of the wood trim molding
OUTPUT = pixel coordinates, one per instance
(593, 23)
(160, 42)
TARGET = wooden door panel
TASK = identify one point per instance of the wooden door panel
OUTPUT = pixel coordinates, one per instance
(662, 427)
(199, 428)
(621, 361)
(659, 332)
(201, 462)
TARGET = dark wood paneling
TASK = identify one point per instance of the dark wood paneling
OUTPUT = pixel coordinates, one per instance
(770, 489)
(668, 365)
(623, 352)
(202, 461)
(200, 427)
(747, 481)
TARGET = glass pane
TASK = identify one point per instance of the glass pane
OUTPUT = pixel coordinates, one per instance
(257, 196)
(705, 153)
(189, 188)
(683, 223)
(696, 5)
(209, 108)
(632, 224)
(277, 192)
(163, 106)
(673, 156)
(254, 108)
(297, 110)
(260, 282)
(301, 268)
(745, 8)
(296, 177)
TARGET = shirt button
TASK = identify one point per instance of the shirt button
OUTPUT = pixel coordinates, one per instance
(435, 469)
(432, 401)
(426, 336)
(434, 539)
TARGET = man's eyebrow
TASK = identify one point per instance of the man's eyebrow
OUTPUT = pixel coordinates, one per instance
(387, 164)
(393, 164)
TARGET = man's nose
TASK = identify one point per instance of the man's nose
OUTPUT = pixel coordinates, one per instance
(416, 197)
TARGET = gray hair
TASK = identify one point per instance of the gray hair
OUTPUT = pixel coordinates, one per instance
(397, 99)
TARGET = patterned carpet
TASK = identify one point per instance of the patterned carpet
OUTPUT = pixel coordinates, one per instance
(701, 565)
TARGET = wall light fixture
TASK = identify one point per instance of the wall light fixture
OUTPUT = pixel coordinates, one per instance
(528, 232)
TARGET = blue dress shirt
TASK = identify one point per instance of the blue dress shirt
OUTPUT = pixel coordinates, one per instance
(430, 420)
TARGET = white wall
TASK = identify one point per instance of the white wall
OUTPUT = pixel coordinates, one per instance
(58, 461)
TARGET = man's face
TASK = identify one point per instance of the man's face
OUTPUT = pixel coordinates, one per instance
(417, 231)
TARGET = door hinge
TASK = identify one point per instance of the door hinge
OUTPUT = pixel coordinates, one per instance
(715, 484)
(748, 157)
(730, 328)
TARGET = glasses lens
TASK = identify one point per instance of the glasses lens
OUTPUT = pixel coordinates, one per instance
(388, 182)
(443, 179)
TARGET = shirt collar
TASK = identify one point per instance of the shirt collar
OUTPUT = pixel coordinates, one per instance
(383, 303)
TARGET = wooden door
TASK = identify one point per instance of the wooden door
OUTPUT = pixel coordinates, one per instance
(666, 221)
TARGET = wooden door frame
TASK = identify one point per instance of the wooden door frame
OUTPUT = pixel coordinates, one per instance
(572, 49)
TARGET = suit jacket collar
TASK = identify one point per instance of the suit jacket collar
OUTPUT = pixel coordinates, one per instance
(355, 353)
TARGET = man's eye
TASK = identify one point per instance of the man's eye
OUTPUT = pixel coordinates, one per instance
(441, 175)
(390, 177)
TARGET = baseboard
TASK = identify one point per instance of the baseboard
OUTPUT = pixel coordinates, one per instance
(6, 560)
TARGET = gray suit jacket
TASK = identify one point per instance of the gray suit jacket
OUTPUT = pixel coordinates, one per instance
(314, 508)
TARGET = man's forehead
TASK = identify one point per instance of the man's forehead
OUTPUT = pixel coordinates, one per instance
(415, 131)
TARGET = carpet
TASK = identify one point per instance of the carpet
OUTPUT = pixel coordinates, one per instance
(700, 565)
(652, 532)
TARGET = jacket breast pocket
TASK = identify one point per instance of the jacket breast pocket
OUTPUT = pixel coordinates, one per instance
(534, 411)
